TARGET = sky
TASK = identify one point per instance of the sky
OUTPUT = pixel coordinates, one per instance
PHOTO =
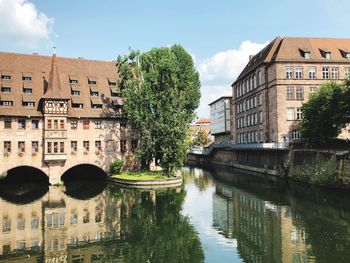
(220, 35)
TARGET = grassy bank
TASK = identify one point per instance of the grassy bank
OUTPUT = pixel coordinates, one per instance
(140, 175)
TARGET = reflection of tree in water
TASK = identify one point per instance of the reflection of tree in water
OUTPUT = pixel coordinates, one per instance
(154, 229)
(326, 220)
(201, 178)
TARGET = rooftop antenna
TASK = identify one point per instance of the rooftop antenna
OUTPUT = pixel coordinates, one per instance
(54, 44)
(54, 50)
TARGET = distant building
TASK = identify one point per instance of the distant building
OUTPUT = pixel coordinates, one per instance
(269, 92)
(201, 125)
(220, 118)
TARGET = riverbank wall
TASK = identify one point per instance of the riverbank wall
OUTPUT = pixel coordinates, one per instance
(326, 167)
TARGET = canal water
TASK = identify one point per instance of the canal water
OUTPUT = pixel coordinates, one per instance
(218, 215)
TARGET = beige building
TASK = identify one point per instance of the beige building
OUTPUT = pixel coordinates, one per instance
(269, 92)
(56, 113)
(220, 118)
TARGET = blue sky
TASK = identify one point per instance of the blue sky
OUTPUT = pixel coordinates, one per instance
(219, 34)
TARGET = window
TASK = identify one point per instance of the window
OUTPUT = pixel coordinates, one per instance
(73, 124)
(299, 93)
(335, 73)
(98, 125)
(35, 124)
(98, 214)
(123, 146)
(73, 81)
(61, 124)
(98, 146)
(6, 103)
(325, 72)
(55, 124)
(312, 72)
(290, 93)
(93, 94)
(86, 146)
(73, 217)
(49, 147)
(20, 222)
(298, 72)
(92, 82)
(49, 124)
(6, 224)
(7, 146)
(76, 93)
(290, 114)
(74, 146)
(86, 124)
(21, 123)
(5, 89)
(260, 117)
(261, 136)
(35, 221)
(307, 55)
(255, 118)
(35, 146)
(112, 83)
(328, 55)
(299, 114)
(86, 216)
(347, 72)
(28, 104)
(289, 72)
(7, 123)
(296, 134)
(27, 90)
(55, 147)
(61, 147)
(313, 89)
(6, 77)
(26, 78)
(21, 147)
(78, 105)
(260, 99)
(49, 220)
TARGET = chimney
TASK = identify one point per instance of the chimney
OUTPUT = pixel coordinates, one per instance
(250, 57)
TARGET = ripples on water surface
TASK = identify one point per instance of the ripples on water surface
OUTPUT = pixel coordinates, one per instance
(218, 215)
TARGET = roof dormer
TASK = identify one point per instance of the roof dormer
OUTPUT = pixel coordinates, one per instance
(325, 53)
(305, 53)
(345, 53)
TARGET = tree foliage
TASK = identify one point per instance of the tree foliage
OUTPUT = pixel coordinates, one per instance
(201, 138)
(161, 89)
(326, 113)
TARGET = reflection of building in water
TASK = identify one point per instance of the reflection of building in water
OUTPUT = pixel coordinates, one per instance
(56, 226)
(264, 231)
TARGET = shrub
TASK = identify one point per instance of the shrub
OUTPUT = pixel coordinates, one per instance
(115, 167)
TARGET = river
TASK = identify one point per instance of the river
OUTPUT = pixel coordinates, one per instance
(218, 215)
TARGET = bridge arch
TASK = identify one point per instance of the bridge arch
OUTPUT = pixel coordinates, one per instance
(24, 174)
(82, 171)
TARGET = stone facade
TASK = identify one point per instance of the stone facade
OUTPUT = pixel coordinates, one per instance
(269, 93)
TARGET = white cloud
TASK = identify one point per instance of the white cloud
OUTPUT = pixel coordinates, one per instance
(218, 72)
(21, 23)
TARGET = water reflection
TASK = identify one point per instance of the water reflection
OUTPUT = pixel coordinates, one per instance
(270, 221)
(114, 224)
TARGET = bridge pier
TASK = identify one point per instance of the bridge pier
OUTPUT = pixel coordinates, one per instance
(55, 172)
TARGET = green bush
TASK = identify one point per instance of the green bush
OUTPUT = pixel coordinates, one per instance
(115, 167)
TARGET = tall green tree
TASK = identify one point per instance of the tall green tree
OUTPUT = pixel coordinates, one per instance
(161, 89)
(326, 113)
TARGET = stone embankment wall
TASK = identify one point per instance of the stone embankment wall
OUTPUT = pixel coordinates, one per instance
(320, 167)
(310, 166)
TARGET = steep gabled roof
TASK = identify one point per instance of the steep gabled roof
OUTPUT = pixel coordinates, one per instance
(54, 89)
(266, 55)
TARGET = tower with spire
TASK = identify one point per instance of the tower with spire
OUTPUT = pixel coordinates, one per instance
(55, 110)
